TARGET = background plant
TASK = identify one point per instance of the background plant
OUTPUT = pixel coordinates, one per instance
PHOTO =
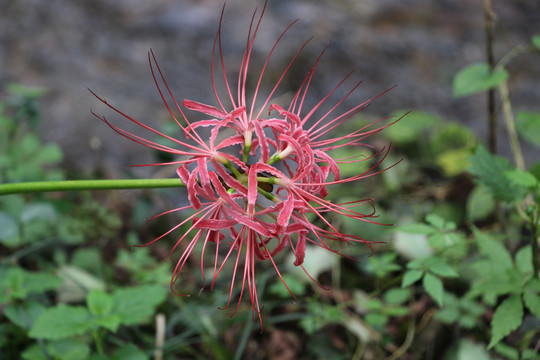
(457, 279)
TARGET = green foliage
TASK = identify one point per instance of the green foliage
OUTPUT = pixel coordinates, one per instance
(430, 270)
(480, 204)
(380, 311)
(452, 144)
(531, 298)
(382, 265)
(536, 41)
(507, 318)
(462, 266)
(463, 311)
(142, 265)
(494, 172)
(124, 307)
(22, 156)
(127, 351)
(465, 349)
(411, 127)
(476, 78)
(528, 126)
(60, 349)
(319, 315)
(24, 315)
(18, 283)
(297, 287)
(441, 235)
(61, 322)
(134, 305)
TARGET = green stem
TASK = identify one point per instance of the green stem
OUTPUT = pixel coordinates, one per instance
(77, 185)
(99, 341)
(512, 54)
(510, 126)
(534, 244)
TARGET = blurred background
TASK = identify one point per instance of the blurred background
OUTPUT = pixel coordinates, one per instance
(66, 47)
(74, 286)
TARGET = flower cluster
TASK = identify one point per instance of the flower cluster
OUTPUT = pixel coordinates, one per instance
(257, 174)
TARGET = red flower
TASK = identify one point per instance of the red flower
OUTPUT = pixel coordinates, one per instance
(253, 191)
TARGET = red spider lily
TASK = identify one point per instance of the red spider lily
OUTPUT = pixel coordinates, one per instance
(258, 187)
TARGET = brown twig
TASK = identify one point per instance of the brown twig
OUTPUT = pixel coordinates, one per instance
(489, 16)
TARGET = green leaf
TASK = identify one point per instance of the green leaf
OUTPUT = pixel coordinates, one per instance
(496, 287)
(437, 221)
(488, 170)
(374, 305)
(528, 126)
(296, 286)
(463, 311)
(18, 283)
(13, 204)
(535, 170)
(509, 352)
(59, 350)
(521, 178)
(24, 315)
(419, 264)
(532, 301)
(110, 322)
(448, 315)
(134, 305)
(8, 228)
(500, 257)
(29, 92)
(129, 351)
(38, 212)
(30, 144)
(536, 41)
(396, 311)
(476, 78)
(61, 322)
(412, 127)
(524, 260)
(396, 296)
(50, 154)
(353, 168)
(507, 318)
(480, 203)
(529, 354)
(534, 284)
(382, 264)
(376, 320)
(453, 162)
(320, 314)
(465, 349)
(443, 270)
(410, 277)
(90, 259)
(69, 350)
(99, 303)
(451, 136)
(416, 228)
(434, 287)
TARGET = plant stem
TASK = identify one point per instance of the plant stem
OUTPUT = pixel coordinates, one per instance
(78, 185)
(534, 244)
(510, 126)
(99, 342)
(489, 16)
